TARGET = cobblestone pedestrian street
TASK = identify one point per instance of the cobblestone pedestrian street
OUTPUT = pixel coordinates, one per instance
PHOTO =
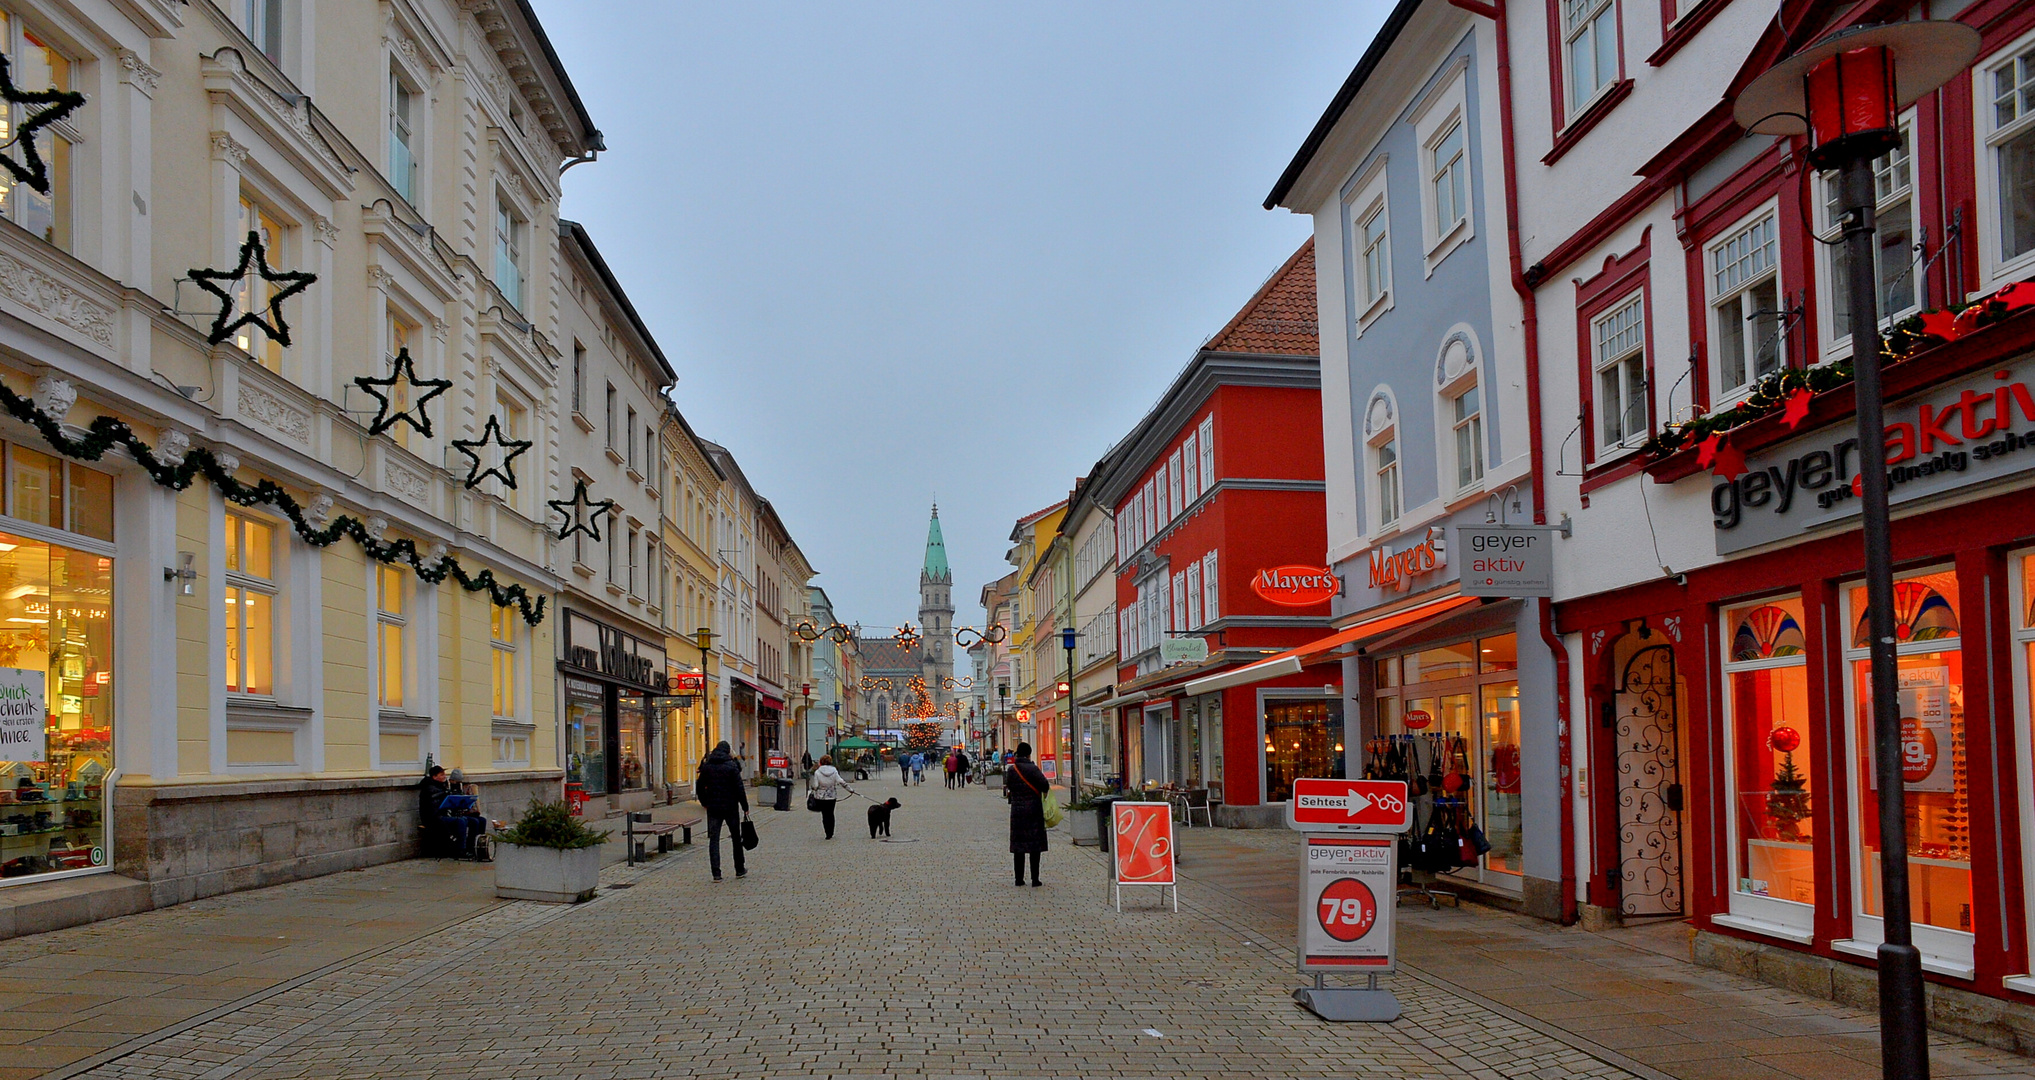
(851, 958)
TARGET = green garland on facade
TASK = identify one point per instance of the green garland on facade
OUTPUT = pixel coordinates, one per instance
(1907, 338)
(106, 433)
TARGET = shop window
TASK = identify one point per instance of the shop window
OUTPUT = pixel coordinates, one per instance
(1772, 824)
(1934, 762)
(1620, 350)
(1448, 723)
(1893, 257)
(253, 293)
(34, 65)
(250, 606)
(56, 641)
(633, 742)
(1303, 737)
(586, 754)
(2006, 106)
(502, 660)
(392, 622)
(1745, 304)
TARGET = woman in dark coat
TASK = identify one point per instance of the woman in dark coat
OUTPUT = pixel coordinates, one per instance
(1026, 788)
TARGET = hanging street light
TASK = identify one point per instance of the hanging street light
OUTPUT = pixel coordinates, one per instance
(1846, 93)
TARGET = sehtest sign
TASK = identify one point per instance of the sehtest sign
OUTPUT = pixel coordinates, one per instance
(23, 719)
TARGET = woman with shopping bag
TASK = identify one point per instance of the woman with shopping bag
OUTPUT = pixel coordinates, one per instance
(1029, 792)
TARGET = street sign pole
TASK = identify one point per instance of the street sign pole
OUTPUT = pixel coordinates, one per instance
(1349, 891)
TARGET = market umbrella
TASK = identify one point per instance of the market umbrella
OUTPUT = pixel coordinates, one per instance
(855, 742)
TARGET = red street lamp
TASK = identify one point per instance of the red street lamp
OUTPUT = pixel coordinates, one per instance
(1846, 94)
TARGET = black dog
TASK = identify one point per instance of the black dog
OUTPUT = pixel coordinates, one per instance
(879, 816)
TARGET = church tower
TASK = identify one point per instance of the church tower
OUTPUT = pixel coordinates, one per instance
(936, 613)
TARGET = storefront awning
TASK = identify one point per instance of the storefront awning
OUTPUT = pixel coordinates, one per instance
(1292, 661)
(1126, 699)
(768, 702)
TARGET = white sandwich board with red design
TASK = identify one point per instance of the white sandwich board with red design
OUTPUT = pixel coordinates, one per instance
(1349, 890)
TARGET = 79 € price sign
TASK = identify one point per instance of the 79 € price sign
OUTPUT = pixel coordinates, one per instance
(1348, 888)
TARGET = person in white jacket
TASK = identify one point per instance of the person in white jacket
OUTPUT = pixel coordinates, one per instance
(826, 791)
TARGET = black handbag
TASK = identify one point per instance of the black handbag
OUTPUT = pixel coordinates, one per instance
(749, 840)
(813, 803)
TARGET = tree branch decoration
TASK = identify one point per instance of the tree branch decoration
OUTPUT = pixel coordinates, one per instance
(388, 391)
(491, 436)
(576, 519)
(176, 466)
(56, 104)
(254, 255)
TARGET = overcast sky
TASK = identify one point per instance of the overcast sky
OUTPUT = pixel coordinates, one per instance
(954, 250)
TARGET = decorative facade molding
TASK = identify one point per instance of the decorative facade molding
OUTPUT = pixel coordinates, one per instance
(274, 413)
(399, 480)
(327, 232)
(55, 395)
(226, 146)
(135, 71)
(54, 300)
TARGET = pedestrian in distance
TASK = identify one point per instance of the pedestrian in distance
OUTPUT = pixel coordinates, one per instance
(918, 768)
(949, 764)
(722, 794)
(826, 791)
(904, 768)
(1025, 786)
(961, 766)
(805, 760)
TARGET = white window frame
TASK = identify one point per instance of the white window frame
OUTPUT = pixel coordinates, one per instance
(1996, 269)
(63, 196)
(272, 588)
(1194, 619)
(1387, 481)
(1772, 916)
(1368, 202)
(1948, 952)
(1177, 590)
(1162, 480)
(1627, 440)
(1177, 474)
(2022, 636)
(1190, 454)
(1444, 109)
(403, 167)
(1596, 15)
(1452, 397)
(1834, 345)
(1747, 272)
(1210, 589)
(382, 619)
(1208, 452)
(511, 229)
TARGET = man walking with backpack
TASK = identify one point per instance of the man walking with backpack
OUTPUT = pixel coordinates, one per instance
(726, 801)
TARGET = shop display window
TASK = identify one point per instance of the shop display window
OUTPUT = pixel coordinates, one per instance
(633, 743)
(1933, 752)
(56, 661)
(1448, 723)
(1303, 737)
(586, 756)
(1767, 695)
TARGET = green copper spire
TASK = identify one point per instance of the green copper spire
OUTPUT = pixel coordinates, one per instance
(936, 549)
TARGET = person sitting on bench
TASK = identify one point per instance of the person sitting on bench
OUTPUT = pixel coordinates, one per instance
(448, 813)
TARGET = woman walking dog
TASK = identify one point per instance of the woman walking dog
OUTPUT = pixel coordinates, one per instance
(826, 792)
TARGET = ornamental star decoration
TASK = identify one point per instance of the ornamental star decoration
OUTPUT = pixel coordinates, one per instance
(576, 520)
(252, 255)
(491, 435)
(56, 104)
(403, 384)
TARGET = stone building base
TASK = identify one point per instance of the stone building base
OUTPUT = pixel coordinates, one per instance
(194, 840)
(1996, 1022)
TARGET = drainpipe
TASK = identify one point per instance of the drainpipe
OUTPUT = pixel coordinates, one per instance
(1537, 458)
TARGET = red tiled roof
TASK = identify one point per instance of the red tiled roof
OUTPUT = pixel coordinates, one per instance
(1280, 319)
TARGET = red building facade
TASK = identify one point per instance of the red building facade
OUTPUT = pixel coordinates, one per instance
(1220, 484)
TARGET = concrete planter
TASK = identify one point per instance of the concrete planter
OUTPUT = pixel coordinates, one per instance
(523, 872)
(1084, 826)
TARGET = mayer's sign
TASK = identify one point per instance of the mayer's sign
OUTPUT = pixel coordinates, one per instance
(1296, 586)
(1397, 569)
(1958, 435)
(1507, 560)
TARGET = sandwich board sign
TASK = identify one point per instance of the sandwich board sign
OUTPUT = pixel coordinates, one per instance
(1141, 849)
(1349, 890)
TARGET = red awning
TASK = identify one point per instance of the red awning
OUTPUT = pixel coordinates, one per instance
(768, 702)
(1292, 661)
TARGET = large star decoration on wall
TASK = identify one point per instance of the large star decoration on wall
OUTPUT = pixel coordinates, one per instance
(222, 283)
(577, 520)
(389, 391)
(55, 105)
(491, 435)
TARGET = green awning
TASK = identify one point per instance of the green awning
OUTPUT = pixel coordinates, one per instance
(855, 742)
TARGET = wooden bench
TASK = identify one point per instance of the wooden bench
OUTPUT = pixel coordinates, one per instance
(639, 825)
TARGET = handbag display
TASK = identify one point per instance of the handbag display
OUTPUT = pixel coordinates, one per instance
(749, 839)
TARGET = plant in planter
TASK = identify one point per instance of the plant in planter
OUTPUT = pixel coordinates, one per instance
(548, 855)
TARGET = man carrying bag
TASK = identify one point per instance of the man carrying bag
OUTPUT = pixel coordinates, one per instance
(726, 801)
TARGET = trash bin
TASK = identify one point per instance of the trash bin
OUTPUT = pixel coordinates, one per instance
(1103, 828)
(783, 795)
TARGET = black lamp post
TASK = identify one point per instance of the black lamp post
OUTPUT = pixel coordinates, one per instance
(1067, 638)
(1846, 94)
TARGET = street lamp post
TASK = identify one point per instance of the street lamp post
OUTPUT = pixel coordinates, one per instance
(1846, 93)
(1003, 705)
(1073, 729)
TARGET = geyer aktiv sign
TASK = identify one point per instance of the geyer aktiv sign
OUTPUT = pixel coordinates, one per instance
(1957, 435)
